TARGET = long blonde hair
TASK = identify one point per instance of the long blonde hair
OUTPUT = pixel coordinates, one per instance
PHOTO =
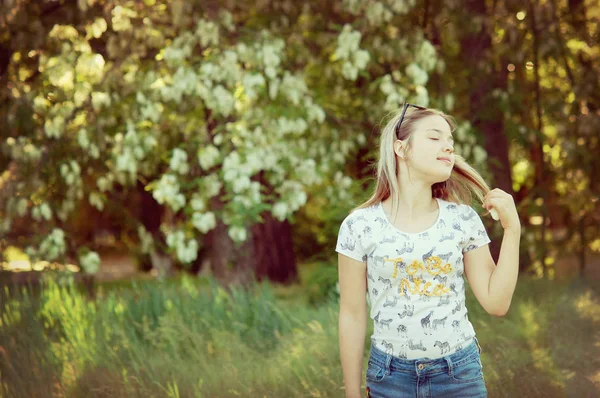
(464, 180)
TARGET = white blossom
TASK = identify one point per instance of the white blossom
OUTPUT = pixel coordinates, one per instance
(197, 203)
(377, 14)
(41, 105)
(449, 101)
(186, 251)
(479, 154)
(45, 211)
(240, 184)
(218, 139)
(90, 67)
(22, 207)
(294, 87)
(426, 56)
(348, 42)
(54, 127)
(178, 161)
(353, 58)
(70, 172)
(280, 210)
(237, 233)
(307, 172)
(315, 113)
(100, 100)
(401, 6)
(167, 191)
(422, 96)
(96, 200)
(90, 262)
(82, 139)
(207, 32)
(395, 94)
(274, 88)
(224, 101)
(417, 75)
(53, 245)
(121, 18)
(104, 183)
(96, 28)
(208, 157)
(204, 222)
(251, 83)
(353, 6)
(211, 186)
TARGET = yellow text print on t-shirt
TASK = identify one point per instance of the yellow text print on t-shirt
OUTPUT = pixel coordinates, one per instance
(434, 267)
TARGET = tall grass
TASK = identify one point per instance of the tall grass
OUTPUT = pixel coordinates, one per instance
(190, 338)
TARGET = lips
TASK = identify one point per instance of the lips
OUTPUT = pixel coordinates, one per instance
(446, 160)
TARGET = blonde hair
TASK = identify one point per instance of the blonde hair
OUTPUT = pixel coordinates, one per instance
(464, 180)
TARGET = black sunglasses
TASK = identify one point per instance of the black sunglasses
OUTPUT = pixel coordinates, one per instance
(402, 116)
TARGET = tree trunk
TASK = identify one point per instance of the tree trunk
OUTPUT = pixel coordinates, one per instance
(273, 252)
(231, 264)
(273, 246)
(487, 116)
(266, 254)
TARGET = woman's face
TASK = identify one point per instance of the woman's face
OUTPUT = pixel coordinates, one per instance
(431, 150)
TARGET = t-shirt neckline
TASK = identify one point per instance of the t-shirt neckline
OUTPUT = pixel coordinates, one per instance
(388, 222)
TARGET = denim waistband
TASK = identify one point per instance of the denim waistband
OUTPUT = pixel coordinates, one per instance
(425, 365)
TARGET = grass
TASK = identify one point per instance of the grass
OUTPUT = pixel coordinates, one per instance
(187, 337)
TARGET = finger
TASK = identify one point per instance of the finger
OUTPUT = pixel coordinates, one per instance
(489, 203)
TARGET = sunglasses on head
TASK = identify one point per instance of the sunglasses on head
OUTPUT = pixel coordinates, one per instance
(402, 116)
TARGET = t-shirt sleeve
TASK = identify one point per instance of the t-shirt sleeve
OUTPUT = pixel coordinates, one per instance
(476, 234)
(349, 239)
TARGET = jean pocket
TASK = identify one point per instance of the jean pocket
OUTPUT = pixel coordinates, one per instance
(375, 372)
(468, 371)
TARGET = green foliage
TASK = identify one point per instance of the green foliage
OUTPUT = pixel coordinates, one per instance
(275, 107)
(235, 105)
(188, 337)
(321, 281)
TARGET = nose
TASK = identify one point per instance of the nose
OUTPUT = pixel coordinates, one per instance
(449, 147)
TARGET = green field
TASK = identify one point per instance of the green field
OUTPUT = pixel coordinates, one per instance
(186, 337)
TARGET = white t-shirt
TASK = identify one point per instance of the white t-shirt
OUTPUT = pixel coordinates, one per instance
(415, 281)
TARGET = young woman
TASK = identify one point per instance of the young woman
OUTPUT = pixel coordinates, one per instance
(408, 248)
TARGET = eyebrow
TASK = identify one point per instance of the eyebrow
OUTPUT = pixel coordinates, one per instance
(440, 131)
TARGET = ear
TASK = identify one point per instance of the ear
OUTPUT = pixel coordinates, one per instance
(399, 149)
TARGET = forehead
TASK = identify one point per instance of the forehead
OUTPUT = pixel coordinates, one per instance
(432, 122)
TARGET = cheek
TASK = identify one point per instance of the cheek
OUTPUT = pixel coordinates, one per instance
(424, 150)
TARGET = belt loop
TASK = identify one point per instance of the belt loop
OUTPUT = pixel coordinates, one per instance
(477, 342)
(450, 365)
(388, 362)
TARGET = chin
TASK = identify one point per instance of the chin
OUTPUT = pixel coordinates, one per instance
(441, 179)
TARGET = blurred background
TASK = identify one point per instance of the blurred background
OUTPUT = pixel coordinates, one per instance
(173, 175)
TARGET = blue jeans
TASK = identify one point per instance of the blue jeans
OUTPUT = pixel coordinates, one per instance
(455, 375)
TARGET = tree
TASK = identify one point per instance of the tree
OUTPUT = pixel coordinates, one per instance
(229, 116)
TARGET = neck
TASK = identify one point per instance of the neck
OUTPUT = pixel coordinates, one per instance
(413, 205)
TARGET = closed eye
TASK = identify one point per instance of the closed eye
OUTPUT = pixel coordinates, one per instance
(437, 139)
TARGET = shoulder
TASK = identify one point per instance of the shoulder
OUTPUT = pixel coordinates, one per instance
(364, 214)
(459, 211)
(360, 217)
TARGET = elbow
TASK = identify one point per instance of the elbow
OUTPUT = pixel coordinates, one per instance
(499, 312)
(357, 312)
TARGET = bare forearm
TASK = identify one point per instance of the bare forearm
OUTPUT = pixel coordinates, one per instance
(503, 280)
(352, 330)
